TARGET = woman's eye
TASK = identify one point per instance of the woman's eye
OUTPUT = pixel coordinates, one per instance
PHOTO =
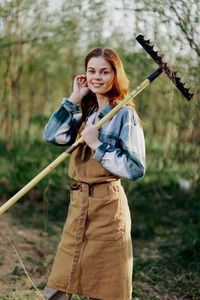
(91, 71)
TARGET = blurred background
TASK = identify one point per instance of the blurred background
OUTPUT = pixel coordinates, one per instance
(42, 48)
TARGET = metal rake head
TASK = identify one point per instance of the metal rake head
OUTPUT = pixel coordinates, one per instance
(168, 71)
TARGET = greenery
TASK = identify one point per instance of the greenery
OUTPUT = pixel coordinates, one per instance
(42, 48)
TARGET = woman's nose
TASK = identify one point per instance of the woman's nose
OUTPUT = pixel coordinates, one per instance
(97, 76)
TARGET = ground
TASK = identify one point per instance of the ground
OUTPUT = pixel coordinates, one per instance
(36, 249)
(35, 252)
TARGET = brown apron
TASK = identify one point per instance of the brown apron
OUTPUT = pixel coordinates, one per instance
(94, 257)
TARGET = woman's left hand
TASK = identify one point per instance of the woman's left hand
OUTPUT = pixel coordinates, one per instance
(90, 135)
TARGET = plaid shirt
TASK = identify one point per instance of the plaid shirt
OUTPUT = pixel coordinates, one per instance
(122, 151)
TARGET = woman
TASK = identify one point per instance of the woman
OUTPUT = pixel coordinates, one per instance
(94, 257)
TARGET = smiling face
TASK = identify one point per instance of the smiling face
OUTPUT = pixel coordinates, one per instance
(100, 75)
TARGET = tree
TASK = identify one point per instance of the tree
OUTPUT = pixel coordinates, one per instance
(182, 16)
(21, 22)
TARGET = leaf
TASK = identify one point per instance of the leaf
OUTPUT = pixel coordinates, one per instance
(15, 270)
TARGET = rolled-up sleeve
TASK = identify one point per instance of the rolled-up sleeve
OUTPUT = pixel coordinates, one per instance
(126, 158)
(60, 127)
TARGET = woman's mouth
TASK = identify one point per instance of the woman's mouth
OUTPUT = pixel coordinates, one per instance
(97, 85)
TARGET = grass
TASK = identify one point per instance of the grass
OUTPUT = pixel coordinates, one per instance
(165, 219)
(27, 295)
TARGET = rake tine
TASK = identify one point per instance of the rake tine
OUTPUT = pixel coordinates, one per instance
(163, 65)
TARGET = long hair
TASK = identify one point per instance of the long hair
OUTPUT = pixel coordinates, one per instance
(120, 86)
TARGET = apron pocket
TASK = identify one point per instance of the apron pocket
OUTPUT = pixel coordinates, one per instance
(105, 220)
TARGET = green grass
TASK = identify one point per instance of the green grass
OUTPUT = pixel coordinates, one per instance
(19, 296)
(30, 296)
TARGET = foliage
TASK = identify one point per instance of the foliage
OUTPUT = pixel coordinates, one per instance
(178, 14)
(38, 62)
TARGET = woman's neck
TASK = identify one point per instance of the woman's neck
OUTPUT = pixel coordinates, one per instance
(102, 101)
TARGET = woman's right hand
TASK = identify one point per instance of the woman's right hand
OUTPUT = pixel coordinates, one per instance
(80, 89)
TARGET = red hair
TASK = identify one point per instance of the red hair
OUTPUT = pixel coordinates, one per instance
(120, 83)
(120, 86)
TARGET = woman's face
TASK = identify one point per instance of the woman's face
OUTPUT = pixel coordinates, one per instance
(100, 75)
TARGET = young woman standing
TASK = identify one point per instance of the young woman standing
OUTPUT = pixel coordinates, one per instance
(94, 257)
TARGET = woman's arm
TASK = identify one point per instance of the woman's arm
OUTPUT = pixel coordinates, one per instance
(60, 127)
(123, 155)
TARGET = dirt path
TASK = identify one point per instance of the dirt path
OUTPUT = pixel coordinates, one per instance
(36, 251)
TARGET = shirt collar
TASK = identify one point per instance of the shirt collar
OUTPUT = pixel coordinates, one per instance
(104, 111)
(107, 108)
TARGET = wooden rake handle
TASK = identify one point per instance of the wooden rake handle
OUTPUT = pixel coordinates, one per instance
(67, 153)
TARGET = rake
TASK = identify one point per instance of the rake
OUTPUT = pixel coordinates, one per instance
(162, 68)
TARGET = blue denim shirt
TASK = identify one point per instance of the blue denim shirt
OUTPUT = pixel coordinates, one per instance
(122, 151)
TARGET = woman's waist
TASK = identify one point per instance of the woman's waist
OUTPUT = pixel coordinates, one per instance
(97, 189)
(93, 173)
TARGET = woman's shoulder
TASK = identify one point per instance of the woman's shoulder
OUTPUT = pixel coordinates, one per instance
(127, 109)
(128, 112)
